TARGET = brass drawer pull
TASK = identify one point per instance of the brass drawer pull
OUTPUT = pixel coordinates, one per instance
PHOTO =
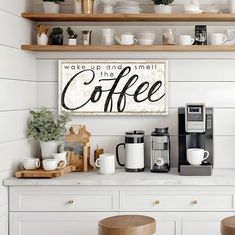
(195, 202)
(70, 202)
(157, 202)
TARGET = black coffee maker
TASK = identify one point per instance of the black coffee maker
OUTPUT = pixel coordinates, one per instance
(195, 131)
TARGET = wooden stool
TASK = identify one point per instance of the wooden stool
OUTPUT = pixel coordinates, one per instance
(127, 225)
(227, 226)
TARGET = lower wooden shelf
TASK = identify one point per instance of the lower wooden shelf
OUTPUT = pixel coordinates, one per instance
(176, 48)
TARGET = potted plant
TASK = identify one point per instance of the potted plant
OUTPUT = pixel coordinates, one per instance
(163, 6)
(72, 37)
(48, 129)
(51, 6)
(56, 36)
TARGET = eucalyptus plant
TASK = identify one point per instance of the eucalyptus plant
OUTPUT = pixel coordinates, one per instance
(163, 2)
(45, 126)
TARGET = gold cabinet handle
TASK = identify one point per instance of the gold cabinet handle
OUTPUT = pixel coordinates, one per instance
(157, 202)
(70, 202)
(195, 202)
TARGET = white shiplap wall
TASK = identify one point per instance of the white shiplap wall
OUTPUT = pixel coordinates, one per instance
(27, 83)
(193, 77)
(17, 94)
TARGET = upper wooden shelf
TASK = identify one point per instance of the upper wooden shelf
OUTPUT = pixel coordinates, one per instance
(148, 17)
(160, 48)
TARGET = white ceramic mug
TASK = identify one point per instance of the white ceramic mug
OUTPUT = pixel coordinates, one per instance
(107, 36)
(31, 163)
(218, 38)
(186, 40)
(52, 164)
(106, 163)
(61, 158)
(196, 156)
(126, 39)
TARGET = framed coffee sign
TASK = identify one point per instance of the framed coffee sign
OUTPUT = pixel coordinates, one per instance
(111, 87)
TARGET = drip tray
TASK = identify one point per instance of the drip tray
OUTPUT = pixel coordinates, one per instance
(202, 170)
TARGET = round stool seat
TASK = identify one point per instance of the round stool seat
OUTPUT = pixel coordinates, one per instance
(127, 225)
(227, 226)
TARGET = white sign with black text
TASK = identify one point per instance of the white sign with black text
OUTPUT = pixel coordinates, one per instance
(104, 87)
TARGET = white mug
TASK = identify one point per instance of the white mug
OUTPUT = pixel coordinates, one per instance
(106, 163)
(218, 38)
(107, 36)
(126, 39)
(196, 156)
(52, 164)
(186, 40)
(61, 158)
(31, 163)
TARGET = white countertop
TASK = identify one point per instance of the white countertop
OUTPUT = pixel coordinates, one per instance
(222, 177)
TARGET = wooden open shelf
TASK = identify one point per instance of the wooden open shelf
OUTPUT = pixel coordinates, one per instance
(163, 48)
(148, 17)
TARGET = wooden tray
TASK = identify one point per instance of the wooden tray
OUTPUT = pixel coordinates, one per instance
(40, 173)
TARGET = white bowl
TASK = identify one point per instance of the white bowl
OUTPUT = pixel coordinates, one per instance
(145, 41)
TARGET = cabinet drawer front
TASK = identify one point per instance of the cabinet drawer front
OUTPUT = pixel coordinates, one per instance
(59, 223)
(139, 200)
(63, 200)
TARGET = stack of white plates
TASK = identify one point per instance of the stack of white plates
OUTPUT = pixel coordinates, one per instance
(127, 7)
(146, 38)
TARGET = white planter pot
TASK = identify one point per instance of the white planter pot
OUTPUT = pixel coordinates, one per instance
(42, 40)
(163, 9)
(51, 7)
(48, 148)
(72, 41)
(231, 6)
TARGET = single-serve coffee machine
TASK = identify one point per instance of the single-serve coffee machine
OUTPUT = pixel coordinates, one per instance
(195, 138)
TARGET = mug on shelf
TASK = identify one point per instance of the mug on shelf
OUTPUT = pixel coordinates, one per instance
(126, 39)
(186, 40)
(106, 163)
(218, 38)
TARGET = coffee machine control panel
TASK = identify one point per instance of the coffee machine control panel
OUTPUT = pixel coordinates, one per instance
(195, 118)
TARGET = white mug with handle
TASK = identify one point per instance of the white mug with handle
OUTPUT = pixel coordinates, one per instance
(196, 156)
(126, 39)
(106, 163)
(186, 40)
(218, 38)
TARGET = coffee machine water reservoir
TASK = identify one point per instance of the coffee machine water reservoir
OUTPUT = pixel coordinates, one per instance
(160, 151)
(195, 132)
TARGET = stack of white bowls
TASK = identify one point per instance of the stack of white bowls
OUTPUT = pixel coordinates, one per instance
(146, 38)
(127, 7)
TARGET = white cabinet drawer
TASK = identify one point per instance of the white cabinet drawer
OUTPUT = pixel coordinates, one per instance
(63, 199)
(58, 223)
(154, 201)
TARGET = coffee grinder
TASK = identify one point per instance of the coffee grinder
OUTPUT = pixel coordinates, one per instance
(195, 131)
